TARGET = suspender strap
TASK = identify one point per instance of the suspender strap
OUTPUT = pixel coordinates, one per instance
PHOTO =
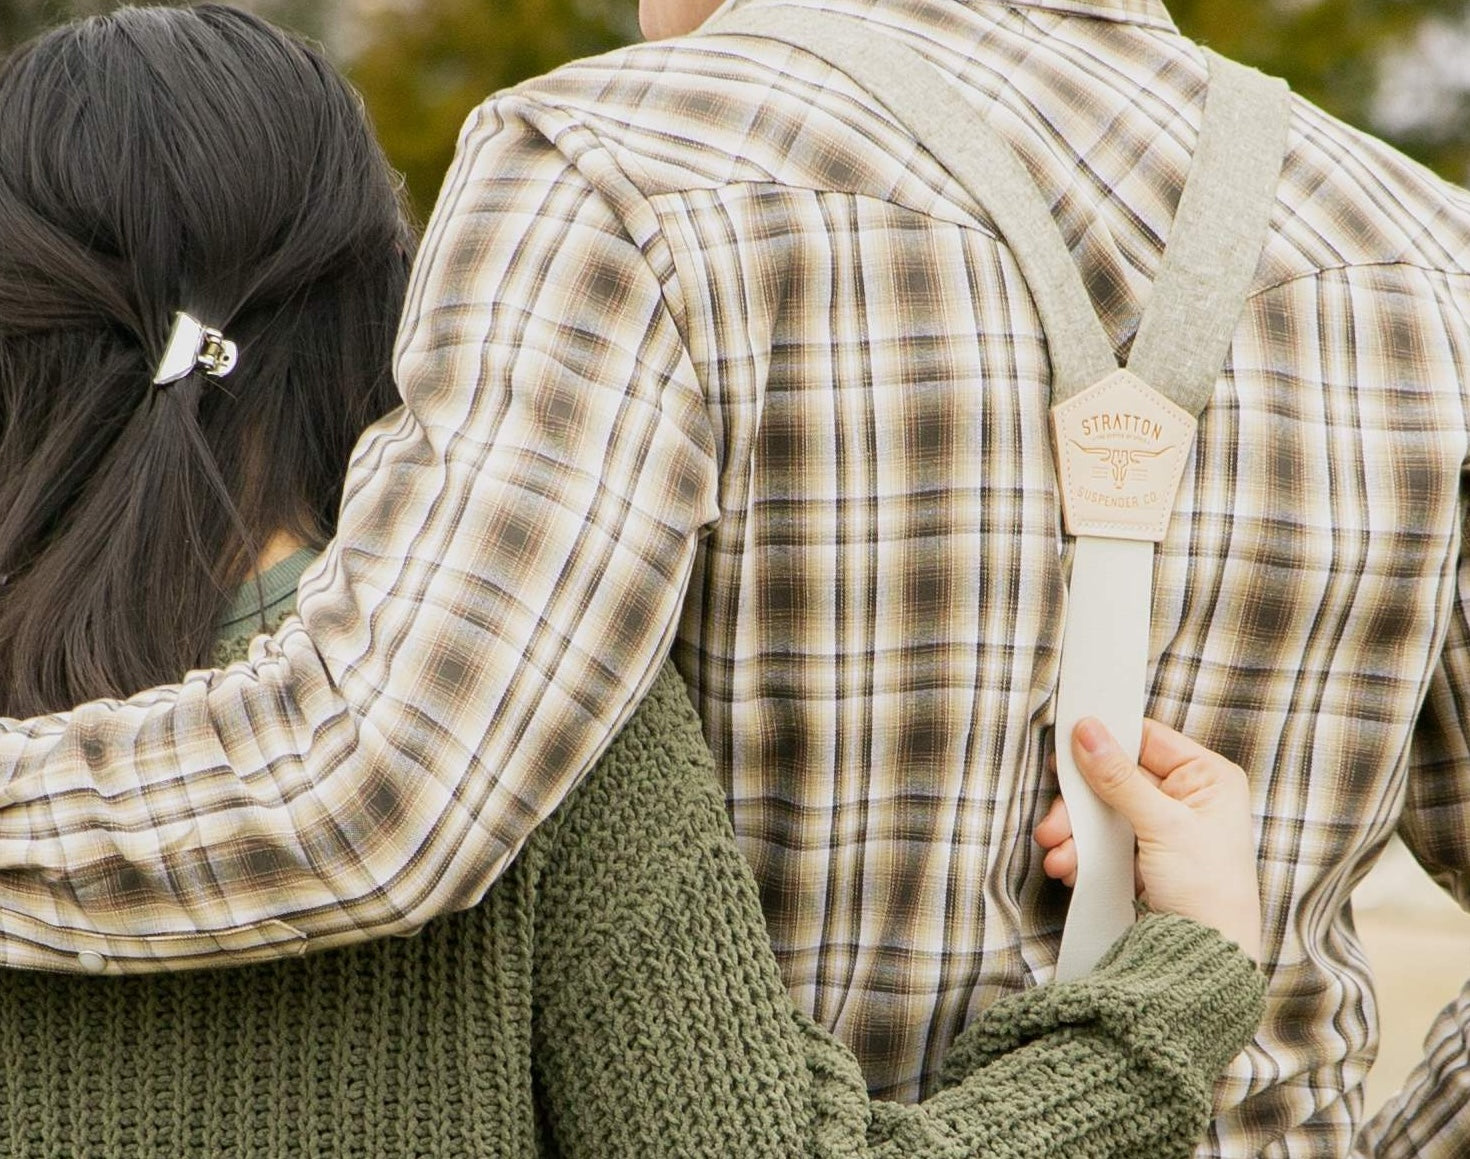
(974, 154)
(1182, 342)
(1220, 227)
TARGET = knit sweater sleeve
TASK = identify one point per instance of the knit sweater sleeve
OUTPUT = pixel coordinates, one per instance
(1119, 1063)
(663, 1027)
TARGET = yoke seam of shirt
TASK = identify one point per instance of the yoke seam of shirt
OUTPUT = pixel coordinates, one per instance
(977, 224)
(1372, 265)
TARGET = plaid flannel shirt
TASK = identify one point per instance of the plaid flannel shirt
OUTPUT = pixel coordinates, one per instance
(703, 353)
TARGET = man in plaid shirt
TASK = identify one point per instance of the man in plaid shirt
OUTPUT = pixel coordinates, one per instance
(705, 354)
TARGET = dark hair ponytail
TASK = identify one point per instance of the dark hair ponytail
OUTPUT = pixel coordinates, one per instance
(156, 160)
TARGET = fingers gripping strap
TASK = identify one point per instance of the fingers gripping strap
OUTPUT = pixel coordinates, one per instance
(1182, 342)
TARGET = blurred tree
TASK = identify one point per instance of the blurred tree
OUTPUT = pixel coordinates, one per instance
(1357, 59)
(423, 67)
(1399, 68)
(22, 19)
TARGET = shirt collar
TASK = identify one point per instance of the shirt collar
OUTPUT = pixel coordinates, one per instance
(1148, 13)
(1140, 13)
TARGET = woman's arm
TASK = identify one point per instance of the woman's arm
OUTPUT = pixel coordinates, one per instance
(663, 1027)
(1119, 1063)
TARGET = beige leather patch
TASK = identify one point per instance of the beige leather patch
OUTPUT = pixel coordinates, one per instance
(1120, 448)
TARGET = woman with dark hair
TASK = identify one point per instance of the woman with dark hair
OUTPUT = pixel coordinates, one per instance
(151, 164)
(202, 256)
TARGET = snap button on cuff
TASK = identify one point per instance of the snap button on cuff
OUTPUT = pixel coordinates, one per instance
(91, 961)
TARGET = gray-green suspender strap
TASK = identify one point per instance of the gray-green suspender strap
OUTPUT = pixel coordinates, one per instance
(1120, 436)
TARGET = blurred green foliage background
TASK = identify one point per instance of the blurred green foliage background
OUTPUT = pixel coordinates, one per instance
(1400, 68)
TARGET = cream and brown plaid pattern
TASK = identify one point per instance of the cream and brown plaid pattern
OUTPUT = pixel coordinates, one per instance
(695, 318)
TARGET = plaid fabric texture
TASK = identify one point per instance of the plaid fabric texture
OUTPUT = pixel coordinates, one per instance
(704, 353)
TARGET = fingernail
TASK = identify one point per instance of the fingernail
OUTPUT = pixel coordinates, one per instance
(1091, 734)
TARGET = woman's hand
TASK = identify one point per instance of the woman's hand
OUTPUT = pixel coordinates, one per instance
(1190, 808)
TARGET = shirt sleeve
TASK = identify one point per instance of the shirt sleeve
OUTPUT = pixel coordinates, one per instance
(512, 552)
(1426, 1119)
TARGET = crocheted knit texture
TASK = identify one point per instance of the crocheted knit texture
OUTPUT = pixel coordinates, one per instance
(613, 996)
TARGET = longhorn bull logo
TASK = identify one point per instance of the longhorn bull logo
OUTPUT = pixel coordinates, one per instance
(1118, 461)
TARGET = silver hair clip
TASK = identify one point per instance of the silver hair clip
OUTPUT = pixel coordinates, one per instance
(194, 346)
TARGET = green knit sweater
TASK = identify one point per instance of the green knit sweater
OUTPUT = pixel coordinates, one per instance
(613, 996)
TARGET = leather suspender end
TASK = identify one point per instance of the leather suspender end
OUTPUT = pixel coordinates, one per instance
(1120, 448)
